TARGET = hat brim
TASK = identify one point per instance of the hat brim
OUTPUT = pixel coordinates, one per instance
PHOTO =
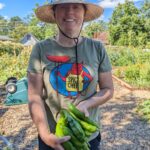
(45, 13)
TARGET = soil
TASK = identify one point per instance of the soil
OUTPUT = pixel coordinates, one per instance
(121, 127)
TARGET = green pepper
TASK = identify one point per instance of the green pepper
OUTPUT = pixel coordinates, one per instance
(74, 126)
(85, 125)
(74, 140)
(60, 133)
(72, 108)
(68, 146)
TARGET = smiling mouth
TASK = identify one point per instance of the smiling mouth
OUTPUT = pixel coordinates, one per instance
(69, 20)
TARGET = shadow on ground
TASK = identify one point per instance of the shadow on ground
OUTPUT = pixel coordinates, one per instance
(3, 111)
(122, 128)
(19, 141)
(21, 137)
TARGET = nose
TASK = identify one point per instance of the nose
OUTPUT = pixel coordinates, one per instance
(70, 10)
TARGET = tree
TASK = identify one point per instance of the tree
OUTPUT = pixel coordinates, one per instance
(40, 29)
(50, 30)
(94, 27)
(15, 21)
(37, 31)
(145, 9)
(18, 32)
(3, 26)
(145, 16)
(1, 18)
(126, 25)
(16, 27)
(35, 27)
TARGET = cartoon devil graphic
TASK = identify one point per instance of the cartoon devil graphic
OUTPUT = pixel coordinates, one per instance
(68, 79)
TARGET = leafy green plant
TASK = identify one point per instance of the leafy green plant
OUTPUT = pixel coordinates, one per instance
(137, 75)
(13, 65)
(131, 64)
(143, 57)
(132, 73)
(128, 26)
(10, 48)
(122, 57)
(143, 109)
(7, 148)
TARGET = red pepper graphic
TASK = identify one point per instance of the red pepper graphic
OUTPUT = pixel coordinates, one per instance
(58, 59)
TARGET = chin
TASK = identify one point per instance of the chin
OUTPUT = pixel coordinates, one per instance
(71, 32)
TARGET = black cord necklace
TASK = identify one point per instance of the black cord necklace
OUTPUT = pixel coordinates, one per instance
(76, 40)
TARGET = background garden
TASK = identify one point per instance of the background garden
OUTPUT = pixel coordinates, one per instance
(128, 44)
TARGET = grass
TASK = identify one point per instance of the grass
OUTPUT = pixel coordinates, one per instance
(143, 109)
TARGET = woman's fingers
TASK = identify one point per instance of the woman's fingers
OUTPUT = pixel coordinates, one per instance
(86, 113)
(59, 147)
(83, 107)
(60, 141)
(64, 139)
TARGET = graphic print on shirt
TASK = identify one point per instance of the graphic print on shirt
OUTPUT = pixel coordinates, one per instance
(63, 77)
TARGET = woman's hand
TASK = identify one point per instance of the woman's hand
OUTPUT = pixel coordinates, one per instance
(55, 142)
(83, 106)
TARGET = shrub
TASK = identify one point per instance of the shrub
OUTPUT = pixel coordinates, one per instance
(10, 48)
(131, 64)
(137, 75)
(13, 65)
(132, 73)
(122, 57)
(143, 110)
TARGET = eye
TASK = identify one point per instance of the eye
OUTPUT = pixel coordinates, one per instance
(76, 6)
(62, 7)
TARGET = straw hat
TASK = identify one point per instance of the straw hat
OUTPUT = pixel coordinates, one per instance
(45, 13)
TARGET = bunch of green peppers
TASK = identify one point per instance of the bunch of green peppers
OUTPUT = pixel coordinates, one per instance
(74, 123)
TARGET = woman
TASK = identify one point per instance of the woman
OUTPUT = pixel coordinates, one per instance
(66, 68)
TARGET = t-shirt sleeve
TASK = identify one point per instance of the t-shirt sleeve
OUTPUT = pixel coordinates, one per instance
(34, 64)
(104, 64)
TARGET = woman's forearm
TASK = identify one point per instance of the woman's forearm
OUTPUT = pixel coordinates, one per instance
(38, 114)
(100, 97)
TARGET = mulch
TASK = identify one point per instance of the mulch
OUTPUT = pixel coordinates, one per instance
(122, 128)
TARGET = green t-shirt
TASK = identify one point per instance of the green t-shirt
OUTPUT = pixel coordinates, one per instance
(58, 66)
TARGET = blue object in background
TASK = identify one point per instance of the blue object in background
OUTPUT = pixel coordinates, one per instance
(20, 95)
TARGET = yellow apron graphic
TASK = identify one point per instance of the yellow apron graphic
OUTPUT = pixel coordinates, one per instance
(71, 83)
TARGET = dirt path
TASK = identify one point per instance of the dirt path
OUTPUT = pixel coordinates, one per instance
(122, 129)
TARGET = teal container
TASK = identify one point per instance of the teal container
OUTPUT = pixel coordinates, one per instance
(20, 96)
